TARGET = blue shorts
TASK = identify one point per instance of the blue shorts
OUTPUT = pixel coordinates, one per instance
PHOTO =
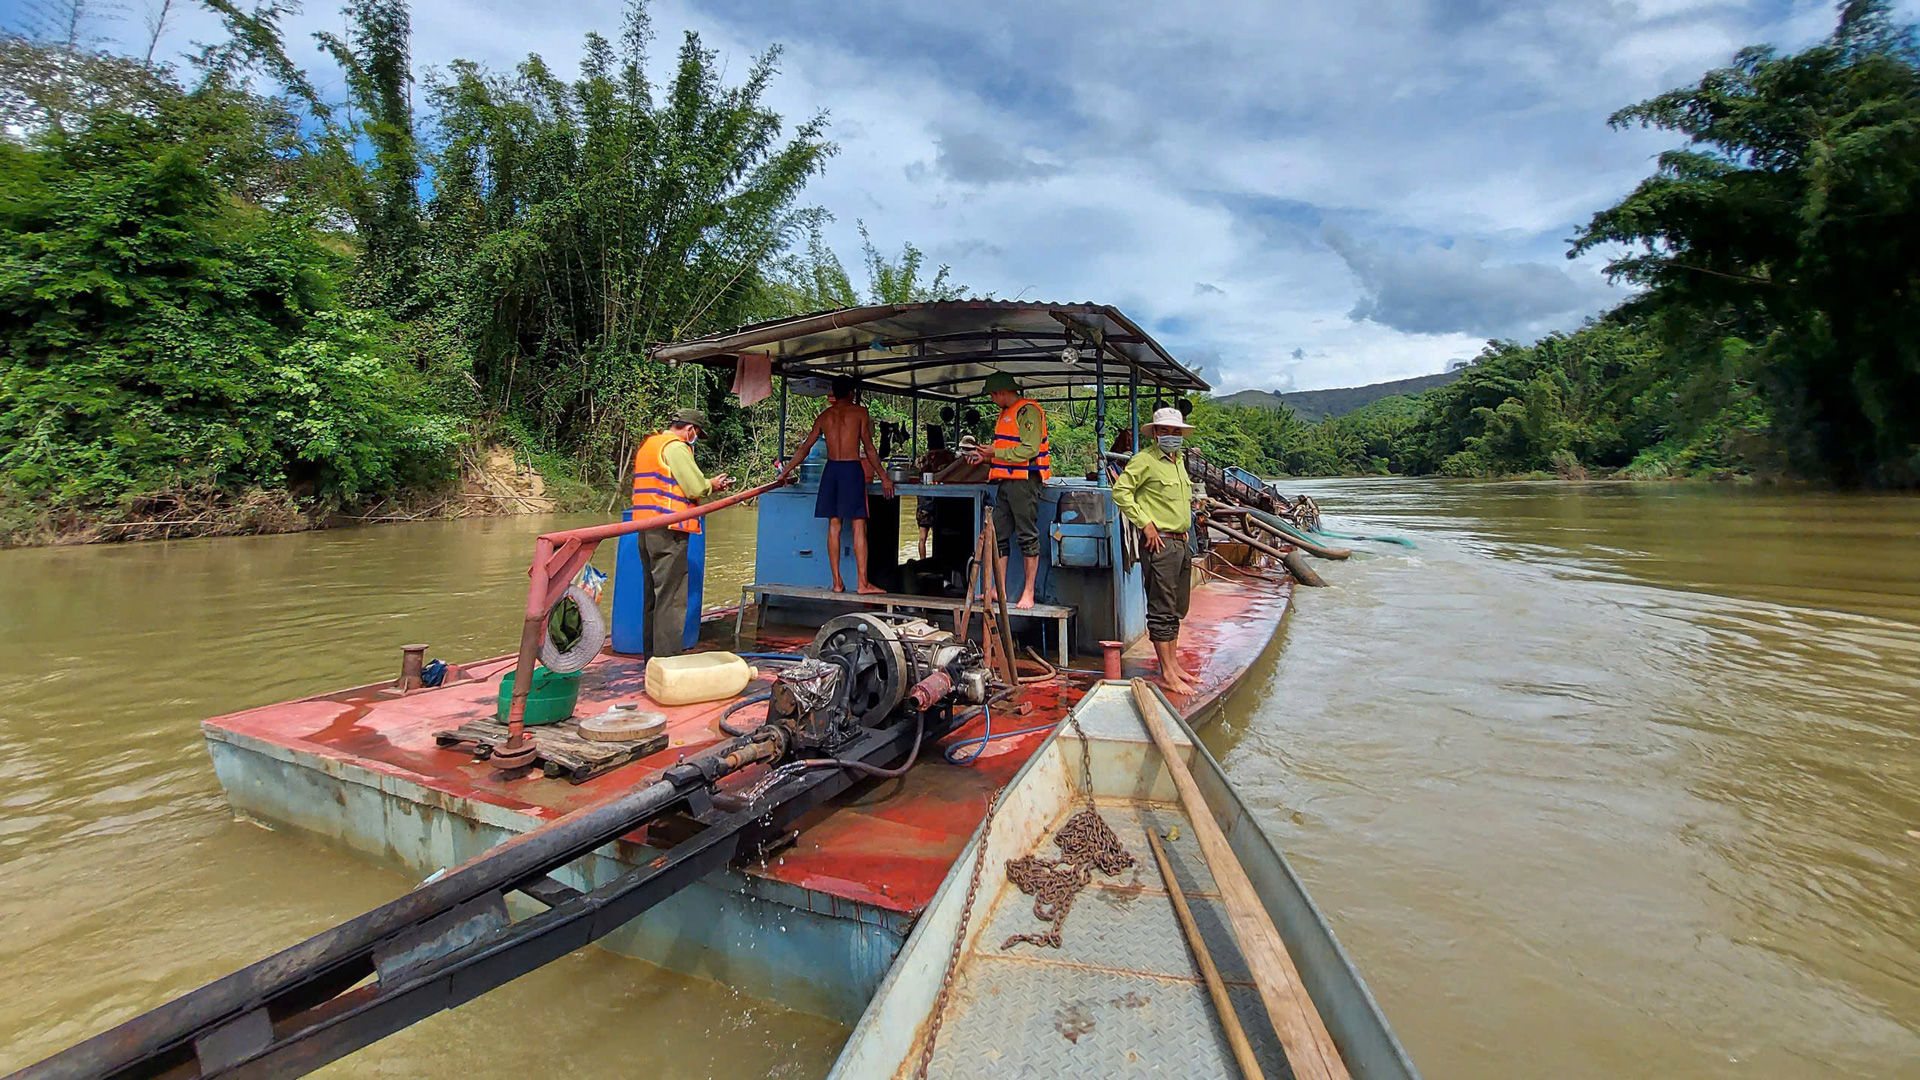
(843, 491)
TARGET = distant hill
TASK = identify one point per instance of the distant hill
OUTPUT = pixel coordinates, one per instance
(1314, 405)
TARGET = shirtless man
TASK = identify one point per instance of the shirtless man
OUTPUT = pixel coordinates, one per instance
(843, 486)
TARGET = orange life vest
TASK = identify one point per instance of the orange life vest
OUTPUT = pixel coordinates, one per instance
(655, 491)
(1006, 433)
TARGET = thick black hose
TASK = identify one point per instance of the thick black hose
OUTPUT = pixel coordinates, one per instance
(919, 732)
(755, 699)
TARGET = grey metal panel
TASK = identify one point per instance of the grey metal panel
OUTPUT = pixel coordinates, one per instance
(1014, 1018)
(1122, 982)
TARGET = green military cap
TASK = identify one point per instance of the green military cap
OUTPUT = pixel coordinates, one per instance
(691, 416)
(999, 380)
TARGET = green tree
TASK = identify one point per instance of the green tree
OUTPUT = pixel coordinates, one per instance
(157, 333)
(1787, 222)
(383, 199)
(574, 224)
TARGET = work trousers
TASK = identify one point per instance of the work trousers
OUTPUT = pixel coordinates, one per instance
(1169, 576)
(1016, 512)
(663, 554)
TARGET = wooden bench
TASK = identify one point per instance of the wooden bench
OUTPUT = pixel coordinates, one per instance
(1059, 613)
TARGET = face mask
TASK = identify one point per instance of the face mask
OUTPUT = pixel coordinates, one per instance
(1171, 443)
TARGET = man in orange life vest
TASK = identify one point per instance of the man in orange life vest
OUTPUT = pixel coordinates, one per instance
(1020, 462)
(666, 480)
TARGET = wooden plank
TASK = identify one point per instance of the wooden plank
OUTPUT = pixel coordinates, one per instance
(561, 749)
(1310, 1050)
(1216, 988)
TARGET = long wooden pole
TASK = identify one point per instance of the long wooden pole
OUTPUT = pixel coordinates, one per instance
(1310, 1049)
(1216, 988)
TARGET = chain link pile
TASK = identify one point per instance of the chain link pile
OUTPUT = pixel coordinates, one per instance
(1087, 843)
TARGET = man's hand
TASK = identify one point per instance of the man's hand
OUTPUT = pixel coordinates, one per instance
(976, 456)
(1153, 538)
(722, 483)
(886, 485)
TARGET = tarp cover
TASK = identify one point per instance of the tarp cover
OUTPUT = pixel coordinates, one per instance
(944, 349)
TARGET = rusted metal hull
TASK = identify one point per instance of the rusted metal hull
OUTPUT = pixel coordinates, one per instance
(814, 928)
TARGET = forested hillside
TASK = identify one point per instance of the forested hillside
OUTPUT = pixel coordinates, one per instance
(1317, 405)
(1779, 289)
(229, 298)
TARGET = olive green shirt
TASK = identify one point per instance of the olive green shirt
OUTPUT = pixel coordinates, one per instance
(678, 457)
(1154, 489)
(1027, 421)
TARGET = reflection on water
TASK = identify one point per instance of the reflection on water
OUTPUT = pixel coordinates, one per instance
(1602, 780)
(1611, 780)
(128, 880)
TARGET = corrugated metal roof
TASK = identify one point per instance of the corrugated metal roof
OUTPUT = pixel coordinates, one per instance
(945, 349)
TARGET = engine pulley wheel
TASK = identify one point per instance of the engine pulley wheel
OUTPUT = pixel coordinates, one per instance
(877, 659)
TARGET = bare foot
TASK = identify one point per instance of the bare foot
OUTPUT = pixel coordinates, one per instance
(870, 590)
(1025, 602)
(839, 586)
(1175, 684)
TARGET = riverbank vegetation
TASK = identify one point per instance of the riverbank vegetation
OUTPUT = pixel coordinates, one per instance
(1779, 288)
(228, 297)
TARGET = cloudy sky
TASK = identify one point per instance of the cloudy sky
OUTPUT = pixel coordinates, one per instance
(1293, 195)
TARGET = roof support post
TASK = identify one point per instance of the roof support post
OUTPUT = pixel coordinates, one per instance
(1100, 414)
(1133, 398)
(782, 460)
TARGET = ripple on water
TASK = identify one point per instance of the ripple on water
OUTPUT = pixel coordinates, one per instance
(1618, 774)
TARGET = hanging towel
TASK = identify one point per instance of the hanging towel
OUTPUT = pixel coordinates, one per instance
(753, 377)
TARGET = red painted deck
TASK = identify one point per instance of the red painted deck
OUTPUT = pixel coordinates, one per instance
(889, 845)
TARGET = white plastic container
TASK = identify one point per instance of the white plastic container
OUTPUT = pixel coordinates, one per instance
(694, 677)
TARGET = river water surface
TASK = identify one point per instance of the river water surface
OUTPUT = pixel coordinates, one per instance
(1597, 781)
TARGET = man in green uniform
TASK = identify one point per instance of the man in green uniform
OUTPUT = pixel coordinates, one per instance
(1153, 493)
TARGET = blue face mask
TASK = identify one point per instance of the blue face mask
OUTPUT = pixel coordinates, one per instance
(1171, 443)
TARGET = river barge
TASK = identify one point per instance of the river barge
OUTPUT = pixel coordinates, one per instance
(799, 889)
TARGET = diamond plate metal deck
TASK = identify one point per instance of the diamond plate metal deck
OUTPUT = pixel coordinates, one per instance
(1122, 996)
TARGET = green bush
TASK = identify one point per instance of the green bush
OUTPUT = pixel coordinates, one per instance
(158, 332)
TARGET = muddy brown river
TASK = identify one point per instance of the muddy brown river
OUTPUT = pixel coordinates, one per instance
(1597, 781)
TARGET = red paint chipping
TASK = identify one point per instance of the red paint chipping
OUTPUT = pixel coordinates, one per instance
(888, 844)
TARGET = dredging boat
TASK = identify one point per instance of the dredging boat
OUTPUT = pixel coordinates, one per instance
(791, 857)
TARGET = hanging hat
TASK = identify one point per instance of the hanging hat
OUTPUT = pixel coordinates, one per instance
(691, 416)
(999, 380)
(1169, 417)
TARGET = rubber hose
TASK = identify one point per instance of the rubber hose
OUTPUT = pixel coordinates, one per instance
(1296, 563)
(1280, 525)
(593, 634)
(982, 740)
(1024, 680)
(1401, 540)
(736, 707)
(913, 755)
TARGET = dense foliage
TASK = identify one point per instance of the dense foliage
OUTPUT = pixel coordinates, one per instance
(1773, 333)
(214, 280)
(161, 334)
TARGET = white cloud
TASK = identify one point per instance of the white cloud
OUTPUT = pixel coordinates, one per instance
(1193, 170)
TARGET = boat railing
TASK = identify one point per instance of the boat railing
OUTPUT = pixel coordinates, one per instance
(557, 557)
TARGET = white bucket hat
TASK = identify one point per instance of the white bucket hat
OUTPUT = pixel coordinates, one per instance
(1169, 417)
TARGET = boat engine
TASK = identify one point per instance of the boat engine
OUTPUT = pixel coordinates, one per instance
(865, 671)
